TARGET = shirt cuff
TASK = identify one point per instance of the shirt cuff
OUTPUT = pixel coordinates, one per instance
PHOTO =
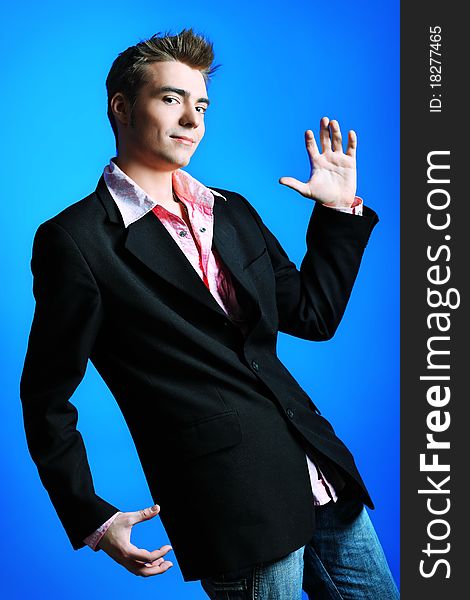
(93, 539)
(354, 209)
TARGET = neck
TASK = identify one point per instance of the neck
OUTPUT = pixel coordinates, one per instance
(157, 184)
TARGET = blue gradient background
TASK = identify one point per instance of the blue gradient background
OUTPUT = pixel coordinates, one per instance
(284, 65)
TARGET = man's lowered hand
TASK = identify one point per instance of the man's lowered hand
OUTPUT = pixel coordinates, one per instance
(116, 542)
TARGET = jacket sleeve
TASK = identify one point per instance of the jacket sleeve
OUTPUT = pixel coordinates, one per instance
(66, 321)
(311, 300)
(94, 538)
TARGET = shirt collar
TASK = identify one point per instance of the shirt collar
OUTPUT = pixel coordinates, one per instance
(133, 202)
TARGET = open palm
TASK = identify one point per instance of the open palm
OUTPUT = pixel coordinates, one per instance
(332, 173)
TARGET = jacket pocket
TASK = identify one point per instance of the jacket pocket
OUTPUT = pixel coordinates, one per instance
(260, 271)
(208, 435)
(258, 264)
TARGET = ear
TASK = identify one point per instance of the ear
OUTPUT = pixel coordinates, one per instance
(120, 108)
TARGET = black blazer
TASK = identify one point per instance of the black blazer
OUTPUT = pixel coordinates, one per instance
(183, 373)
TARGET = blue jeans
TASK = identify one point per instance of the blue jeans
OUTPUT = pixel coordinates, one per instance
(343, 561)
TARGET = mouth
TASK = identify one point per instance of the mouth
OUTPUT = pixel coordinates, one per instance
(183, 140)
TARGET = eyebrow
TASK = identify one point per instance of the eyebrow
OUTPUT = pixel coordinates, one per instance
(184, 93)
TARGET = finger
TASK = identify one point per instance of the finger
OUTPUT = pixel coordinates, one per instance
(155, 563)
(325, 134)
(352, 144)
(336, 136)
(143, 555)
(144, 514)
(154, 570)
(311, 145)
(294, 184)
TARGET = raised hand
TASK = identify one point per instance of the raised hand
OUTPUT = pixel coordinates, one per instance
(332, 173)
(116, 542)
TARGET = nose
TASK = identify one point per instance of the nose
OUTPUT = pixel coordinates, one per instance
(190, 117)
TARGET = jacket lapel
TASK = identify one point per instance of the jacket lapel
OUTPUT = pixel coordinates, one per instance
(149, 241)
(226, 243)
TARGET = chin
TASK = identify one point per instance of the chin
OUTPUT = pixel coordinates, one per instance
(171, 161)
(180, 158)
(183, 162)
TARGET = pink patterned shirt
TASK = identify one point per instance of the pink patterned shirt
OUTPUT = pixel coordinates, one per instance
(133, 203)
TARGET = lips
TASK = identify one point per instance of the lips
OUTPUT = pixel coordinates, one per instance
(183, 139)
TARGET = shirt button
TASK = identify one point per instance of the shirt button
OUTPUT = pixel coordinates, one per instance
(290, 413)
(255, 365)
(202, 229)
(183, 233)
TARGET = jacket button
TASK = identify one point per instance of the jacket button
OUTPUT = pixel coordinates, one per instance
(255, 365)
(290, 413)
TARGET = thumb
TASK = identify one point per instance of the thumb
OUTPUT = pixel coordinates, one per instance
(145, 513)
(294, 184)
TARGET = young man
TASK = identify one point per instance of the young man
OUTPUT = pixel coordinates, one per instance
(176, 293)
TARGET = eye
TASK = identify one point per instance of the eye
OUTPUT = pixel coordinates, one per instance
(169, 98)
(203, 109)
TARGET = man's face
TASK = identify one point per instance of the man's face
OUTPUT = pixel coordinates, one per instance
(170, 104)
